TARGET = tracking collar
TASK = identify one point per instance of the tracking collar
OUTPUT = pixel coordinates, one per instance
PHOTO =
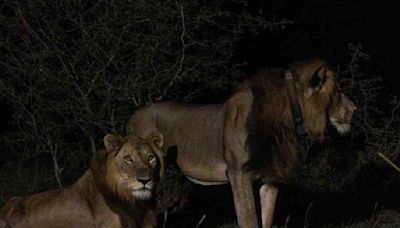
(294, 103)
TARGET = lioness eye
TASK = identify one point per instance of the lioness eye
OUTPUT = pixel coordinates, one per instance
(128, 159)
(152, 158)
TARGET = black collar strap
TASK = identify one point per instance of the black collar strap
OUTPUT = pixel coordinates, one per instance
(294, 103)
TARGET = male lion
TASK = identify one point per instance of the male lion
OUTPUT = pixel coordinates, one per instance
(114, 192)
(252, 136)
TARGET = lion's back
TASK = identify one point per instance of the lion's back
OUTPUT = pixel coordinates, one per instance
(170, 117)
(45, 208)
(19, 207)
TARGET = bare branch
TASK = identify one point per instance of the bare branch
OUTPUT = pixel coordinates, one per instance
(201, 220)
(389, 161)
(182, 37)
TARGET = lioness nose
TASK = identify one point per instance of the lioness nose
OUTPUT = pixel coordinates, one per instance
(144, 179)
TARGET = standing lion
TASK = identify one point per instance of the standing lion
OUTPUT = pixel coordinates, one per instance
(252, 136)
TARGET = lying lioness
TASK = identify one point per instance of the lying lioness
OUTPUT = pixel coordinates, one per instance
(114, 192)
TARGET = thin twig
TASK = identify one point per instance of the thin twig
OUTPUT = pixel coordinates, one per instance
(201, 221)
(287, 221)
(30, 29)
(57, 170)
(389, 161)
(165, 218)
(178, 72)
(308, 214)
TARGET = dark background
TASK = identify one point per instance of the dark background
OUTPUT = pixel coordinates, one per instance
(323, 29)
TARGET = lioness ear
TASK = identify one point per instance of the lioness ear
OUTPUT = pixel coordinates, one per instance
(112, 142)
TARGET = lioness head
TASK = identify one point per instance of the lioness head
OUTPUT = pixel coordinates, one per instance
(133, 166)
(321, 100)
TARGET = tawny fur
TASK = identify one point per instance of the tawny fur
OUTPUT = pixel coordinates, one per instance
(98, 198)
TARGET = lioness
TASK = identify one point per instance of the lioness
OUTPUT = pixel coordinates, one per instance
(252, 136)
(114, 192)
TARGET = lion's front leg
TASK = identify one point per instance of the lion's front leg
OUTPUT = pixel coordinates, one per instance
(243, 197)
(235, 155)
(268, 194)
